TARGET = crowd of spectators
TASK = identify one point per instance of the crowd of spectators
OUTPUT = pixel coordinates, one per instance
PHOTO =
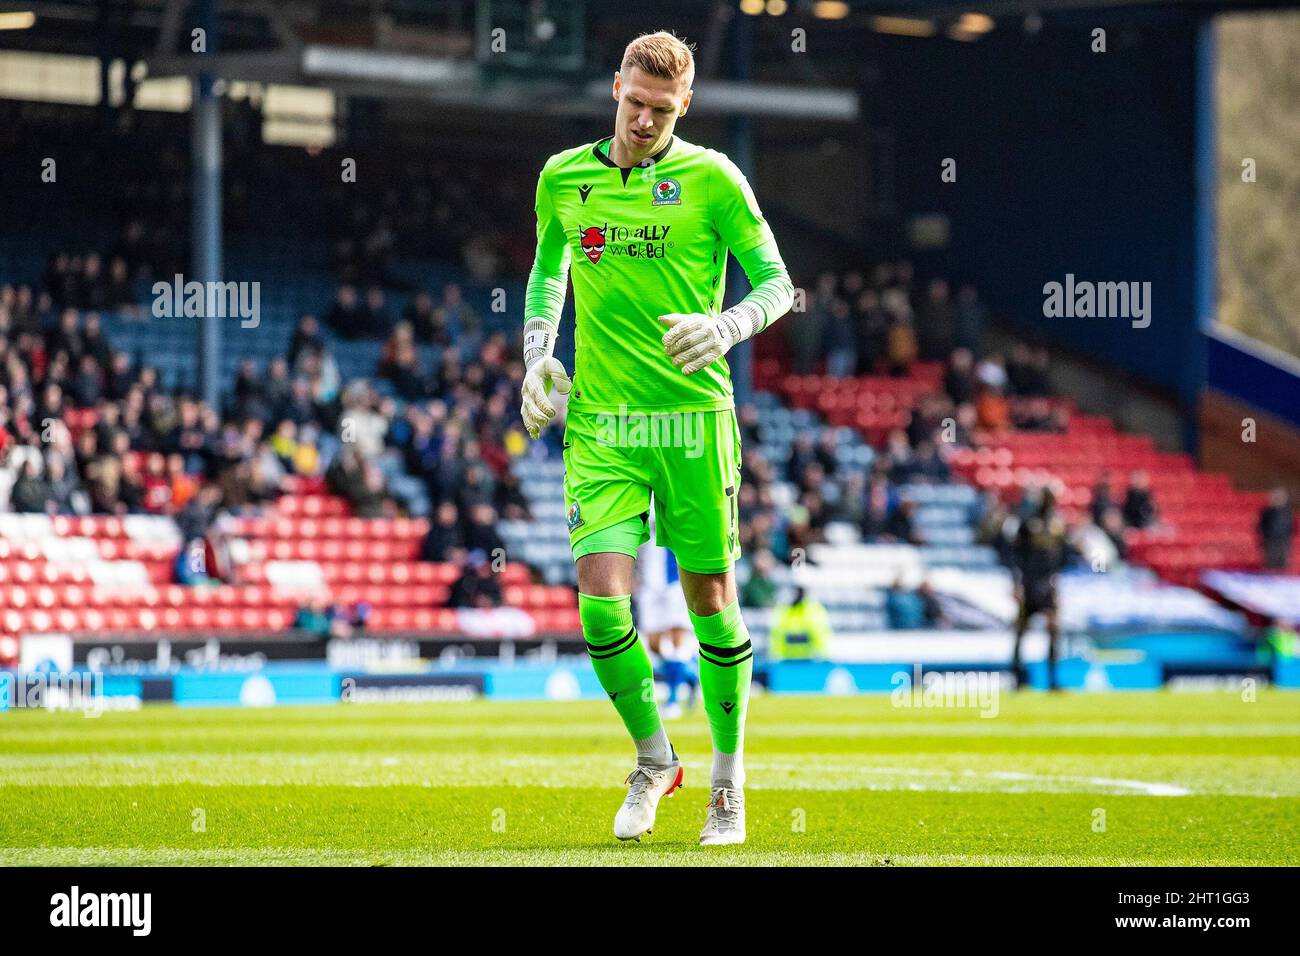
(464, 213)
(879, 321)
(148, 450)
(442, 409)
(443, 323)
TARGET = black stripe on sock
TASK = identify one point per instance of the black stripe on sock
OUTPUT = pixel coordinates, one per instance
(725, 651)
(602, 651)
(738, 660)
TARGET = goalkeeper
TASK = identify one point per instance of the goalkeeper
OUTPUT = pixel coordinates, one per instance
(642, 223)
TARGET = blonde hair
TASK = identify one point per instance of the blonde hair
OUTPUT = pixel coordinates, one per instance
(660, 54)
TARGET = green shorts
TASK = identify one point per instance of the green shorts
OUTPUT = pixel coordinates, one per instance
(688, 461)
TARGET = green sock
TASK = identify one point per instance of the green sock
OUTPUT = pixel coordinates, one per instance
(621, 662)
(726, 663)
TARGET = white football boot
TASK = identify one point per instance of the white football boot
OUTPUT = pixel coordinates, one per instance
(646, 786)
(725, 823)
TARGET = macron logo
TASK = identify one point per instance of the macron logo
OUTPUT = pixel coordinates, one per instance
(134, 910)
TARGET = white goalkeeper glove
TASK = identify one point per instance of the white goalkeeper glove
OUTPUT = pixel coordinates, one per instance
(694, 341)
(544, 370)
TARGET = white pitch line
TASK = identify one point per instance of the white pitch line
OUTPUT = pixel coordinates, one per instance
(379, 771)
(1141, 786)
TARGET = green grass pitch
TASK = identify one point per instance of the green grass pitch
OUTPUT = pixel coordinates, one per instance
(1117, 779)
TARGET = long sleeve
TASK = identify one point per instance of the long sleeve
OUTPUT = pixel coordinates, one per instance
(741, 225)
(549, 278)
(773, 292)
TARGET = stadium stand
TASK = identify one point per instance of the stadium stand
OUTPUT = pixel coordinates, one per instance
(369, 455)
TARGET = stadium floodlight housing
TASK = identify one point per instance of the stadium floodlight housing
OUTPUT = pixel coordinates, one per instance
(761, 99)
(353, 64)
(17, 20)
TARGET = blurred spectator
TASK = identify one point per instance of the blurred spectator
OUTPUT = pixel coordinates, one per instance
(900, 341)
(306, 338)
(428, 326)
(802, 454)
(481, 534)
(362, 425)
(1042, 551)
(376, 313)
(1094, 546)
(346, 317)
(1103, 496)
(30, 493)
(800, 631)
(362, 484)
(399, 363)
(897, 458)
(1139, 503)
(805, 335)
(1282, 639)
(909, 609)
(936, 321)
(324, 620)
(276, 387)
(119, 291)
(901, 525)
(1027, 371)
(314, 617)
(799, 533)
(996, 527)
(455, 318)
(1277, 529)
(1038, 415)
(873, 331)
(880, 505)
(929, 465)
(94, 343)
(509, 499)
(841, 340)
(66, 336)
(1112, 522)
(959, 379)
(971, 316)
(66, 496)
(477, 586)
(445, 540)
(992, 410)
(191, 565)
(759, 590)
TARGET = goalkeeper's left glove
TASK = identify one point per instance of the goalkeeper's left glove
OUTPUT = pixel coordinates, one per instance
(694, 341)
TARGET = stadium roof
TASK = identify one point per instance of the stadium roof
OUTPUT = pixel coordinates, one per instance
(438, 49)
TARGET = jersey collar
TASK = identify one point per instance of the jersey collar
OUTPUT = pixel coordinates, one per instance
(648, 161)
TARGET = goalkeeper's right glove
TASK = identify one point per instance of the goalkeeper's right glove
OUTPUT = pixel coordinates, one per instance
(544, 370)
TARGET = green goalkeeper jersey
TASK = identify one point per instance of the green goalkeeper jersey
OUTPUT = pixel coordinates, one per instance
(638, 243)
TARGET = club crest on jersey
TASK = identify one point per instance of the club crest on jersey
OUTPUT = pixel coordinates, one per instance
(666, 192)
(574, 518)
(593, 243)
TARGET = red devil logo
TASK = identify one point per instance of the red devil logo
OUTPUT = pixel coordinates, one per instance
(593, 243)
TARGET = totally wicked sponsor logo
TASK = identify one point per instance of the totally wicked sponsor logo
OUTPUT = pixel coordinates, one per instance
(633, 242)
